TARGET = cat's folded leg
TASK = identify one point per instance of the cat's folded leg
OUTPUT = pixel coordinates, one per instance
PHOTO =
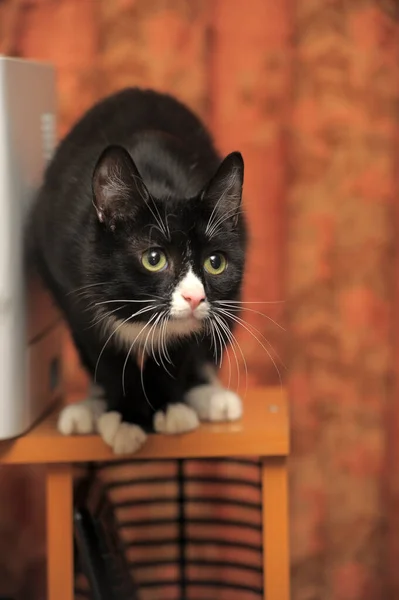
(176, 418)
(82, 417)
(123, 437)
(90, 416)
(213, 402)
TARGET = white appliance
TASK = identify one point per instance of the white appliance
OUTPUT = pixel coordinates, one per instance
(30, 327)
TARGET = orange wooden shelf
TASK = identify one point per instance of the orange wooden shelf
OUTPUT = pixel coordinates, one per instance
(263, 431)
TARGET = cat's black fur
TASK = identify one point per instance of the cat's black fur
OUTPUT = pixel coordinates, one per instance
(98, 210)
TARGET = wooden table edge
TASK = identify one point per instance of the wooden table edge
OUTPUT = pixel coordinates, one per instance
(263, 431)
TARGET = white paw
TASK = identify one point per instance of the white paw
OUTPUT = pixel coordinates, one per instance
(124, 438)
(214, 403)
(178, 418)
(81, 417)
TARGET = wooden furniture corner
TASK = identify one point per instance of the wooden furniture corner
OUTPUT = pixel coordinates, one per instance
(263, 431)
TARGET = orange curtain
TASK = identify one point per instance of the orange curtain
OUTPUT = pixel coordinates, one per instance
(341, 242)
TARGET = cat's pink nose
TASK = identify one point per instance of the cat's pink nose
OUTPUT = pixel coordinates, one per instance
(194, 299)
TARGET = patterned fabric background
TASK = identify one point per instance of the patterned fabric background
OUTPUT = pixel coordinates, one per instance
(308, 90)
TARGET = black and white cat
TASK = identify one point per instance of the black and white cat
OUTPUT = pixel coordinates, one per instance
(138, 233)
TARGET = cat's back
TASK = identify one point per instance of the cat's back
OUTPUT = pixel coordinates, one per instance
(137, 120)
(120, 118)
(124, 119)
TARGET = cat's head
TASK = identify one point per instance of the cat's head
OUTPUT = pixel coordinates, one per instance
(165, 264)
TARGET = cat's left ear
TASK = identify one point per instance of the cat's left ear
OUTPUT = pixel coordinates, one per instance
(224, 191)
(118, 187)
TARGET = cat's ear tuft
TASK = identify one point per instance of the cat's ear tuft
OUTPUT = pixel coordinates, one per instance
(224, 191)
(117, 186)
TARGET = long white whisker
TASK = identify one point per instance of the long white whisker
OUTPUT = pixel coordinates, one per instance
(228, 302)
(127, 301)
(257, 312)
(130, 350)
(107, 314)
(142, 368)
(85, 287)
(162, 345)
(152, 339)
(260, 333)
(233, 340)
(139, 312)
(108, 339)
(218, 319)
(209, 323)
(244, 362)
(246, 327)
(221, 342)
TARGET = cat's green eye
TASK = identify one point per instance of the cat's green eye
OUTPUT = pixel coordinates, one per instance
(215, 264)
(154, 260)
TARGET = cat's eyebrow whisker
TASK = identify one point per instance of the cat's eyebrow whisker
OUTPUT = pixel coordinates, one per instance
(157, 228)
(220, 220)
(228, 215)
(157, 216)
(167, 219)
(159, 219)
(209, 225)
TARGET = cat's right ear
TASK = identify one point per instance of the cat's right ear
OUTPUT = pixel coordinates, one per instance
(117, 186)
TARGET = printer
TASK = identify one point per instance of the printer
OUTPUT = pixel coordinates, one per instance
(31, 330)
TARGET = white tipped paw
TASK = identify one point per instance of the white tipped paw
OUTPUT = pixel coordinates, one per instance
(108, 425)
(213, 403)
(124, 438)
(81, 417)
(178, 418)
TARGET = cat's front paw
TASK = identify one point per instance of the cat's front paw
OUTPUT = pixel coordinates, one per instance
(124, 438)
(81, 417)
(214, 403)
(177, 418)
